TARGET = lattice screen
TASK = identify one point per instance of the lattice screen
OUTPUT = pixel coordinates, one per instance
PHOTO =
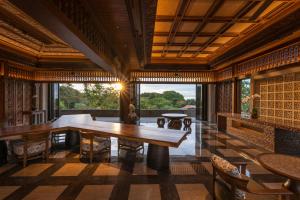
(280, 99)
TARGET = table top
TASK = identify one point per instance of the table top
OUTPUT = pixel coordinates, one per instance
(158, 136)
(174, 115)
(284, 165)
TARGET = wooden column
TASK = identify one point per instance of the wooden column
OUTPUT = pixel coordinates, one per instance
(2, 102)
(124, 102)
(235, 96)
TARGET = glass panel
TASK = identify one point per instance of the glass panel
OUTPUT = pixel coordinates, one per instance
(245, 95)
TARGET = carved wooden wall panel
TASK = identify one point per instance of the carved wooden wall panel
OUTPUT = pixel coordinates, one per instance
(224, 96)
(17, 101)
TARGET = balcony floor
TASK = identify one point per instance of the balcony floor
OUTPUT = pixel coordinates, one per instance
(65, 177)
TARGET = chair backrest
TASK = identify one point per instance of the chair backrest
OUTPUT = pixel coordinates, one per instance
(239, 181)
(36, 137)
(86, 135)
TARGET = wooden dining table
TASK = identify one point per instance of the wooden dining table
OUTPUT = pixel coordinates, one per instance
(283, 165)
(159, 139)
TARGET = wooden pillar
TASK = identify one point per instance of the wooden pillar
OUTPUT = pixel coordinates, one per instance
(124, 102)
(2, 102)
(235, 96)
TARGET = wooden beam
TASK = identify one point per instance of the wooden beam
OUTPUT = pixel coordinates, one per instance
(201, 34)
(47, 14)
(192, 45)
(211, 11)
(261, 9)
(249, 5)
(180, 12)
(214, 19)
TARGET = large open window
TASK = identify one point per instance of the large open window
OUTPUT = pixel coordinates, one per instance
(102, 100)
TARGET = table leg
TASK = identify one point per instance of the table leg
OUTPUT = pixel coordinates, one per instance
(3, 153)
(158, 157)
(293, 186)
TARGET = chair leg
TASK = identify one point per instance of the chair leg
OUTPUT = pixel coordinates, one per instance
(91, 156)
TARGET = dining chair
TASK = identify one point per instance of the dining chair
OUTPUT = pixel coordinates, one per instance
(129, 145)
(187, 122)
(32, 146)
(161, 122)
(230, 184)
(91, 143)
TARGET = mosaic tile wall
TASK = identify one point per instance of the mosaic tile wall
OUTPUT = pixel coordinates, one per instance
(280, 99)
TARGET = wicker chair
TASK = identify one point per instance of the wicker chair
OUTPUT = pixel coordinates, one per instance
(91, 144)
(127, 145)
(230, 184)
(32, 146)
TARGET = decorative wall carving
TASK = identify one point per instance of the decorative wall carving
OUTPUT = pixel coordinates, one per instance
(280, 99)
(224, 97)
(182, 77)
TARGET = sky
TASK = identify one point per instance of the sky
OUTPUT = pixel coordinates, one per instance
(187, 90)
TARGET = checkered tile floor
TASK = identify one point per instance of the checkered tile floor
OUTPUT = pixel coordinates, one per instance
(189, 177)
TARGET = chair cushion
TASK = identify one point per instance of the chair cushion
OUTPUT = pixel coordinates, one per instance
(97, 146)
(129, 143)
(229, 168)
(32, 148)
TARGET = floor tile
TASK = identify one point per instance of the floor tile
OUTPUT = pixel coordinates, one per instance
(214, 143)
(142, 169)
(46, 192)
(223, 136)
(70, 169)
(256, 169)
(229, 153)
(273, 186)
(236, 143)
(145, 192)
(192, 192)
(95, 192)
(107, 169)
(204, 153)
(208, 167)
(5, 191)
(6, 167)
(182, 168)
(252, 152)
(33, 170)
(60, 154)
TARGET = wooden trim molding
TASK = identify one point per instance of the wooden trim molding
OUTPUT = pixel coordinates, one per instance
(172, 77)
(278, 58)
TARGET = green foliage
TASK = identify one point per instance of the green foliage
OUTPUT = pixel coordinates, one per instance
(98, 96)
(94, 96)
(166, 100)
(245, 91)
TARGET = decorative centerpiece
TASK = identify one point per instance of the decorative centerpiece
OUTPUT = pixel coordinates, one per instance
(251, 110)
(132, 116)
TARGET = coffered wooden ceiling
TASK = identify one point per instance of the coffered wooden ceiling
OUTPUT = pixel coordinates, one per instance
(198, 31)
(20, 32)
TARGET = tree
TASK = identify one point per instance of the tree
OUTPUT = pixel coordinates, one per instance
(69, 97)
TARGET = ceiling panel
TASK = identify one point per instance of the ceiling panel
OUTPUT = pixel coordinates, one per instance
(199, 7)
(238, 27)
(187, 26)
(230, 8)
(162, 26)
(211, 24)
(167, 7)
(212, 27)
